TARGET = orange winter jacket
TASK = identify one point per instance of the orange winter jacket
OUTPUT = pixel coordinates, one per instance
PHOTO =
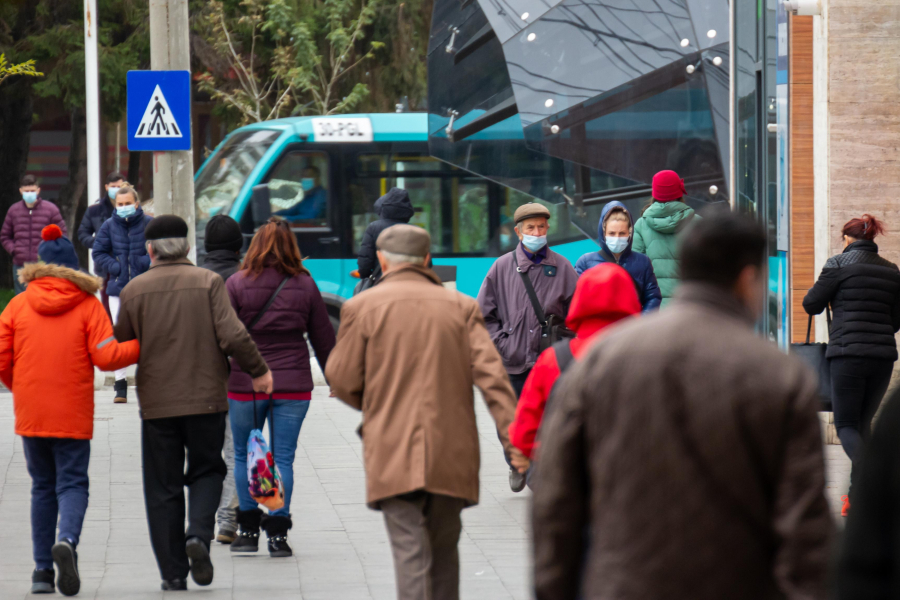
(51, 336)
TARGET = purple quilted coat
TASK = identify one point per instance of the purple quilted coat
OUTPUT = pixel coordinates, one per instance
(298, 309)
(21, 233)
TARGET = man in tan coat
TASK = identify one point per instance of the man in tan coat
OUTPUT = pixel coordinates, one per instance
(408, 354)
(682, 458)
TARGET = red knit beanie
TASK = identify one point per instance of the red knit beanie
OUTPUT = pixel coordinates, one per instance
(667, 186)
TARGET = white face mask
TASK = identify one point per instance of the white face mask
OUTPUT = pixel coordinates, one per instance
(534, 242)
(616, 245)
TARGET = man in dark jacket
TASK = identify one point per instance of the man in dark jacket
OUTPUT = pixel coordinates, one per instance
(870, 549)
(182, 395)
(21, 232)
(616, 228)
(95, 215)
(392, 208)
(223, 242)
(686, 448)
(508, 313)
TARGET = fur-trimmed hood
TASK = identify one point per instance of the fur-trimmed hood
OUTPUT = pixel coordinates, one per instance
(53, 289)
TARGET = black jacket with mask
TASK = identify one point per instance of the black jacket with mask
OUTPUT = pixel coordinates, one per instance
(392, 208)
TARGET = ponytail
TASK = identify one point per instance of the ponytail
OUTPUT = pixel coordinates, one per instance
(865, 228)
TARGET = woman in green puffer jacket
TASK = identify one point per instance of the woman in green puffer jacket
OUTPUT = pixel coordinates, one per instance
(656, 232)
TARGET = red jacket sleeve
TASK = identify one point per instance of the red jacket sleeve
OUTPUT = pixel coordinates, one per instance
(530, 410)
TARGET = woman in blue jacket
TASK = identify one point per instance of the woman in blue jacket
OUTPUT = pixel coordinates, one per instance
(615, 236)
(120, 249)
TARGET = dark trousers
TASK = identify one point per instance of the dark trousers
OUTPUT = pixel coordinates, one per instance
(164, 442)
(59, 490)
(424, 531)
(857, 387)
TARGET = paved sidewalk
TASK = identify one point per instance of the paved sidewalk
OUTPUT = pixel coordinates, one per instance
(341, 549)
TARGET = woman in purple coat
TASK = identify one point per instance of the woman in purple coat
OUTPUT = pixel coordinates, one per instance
(297, 309)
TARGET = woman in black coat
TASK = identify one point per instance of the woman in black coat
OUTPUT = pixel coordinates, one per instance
(863, 290)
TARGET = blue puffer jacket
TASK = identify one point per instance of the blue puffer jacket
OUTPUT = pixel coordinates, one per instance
(637, 264)
(121, 250)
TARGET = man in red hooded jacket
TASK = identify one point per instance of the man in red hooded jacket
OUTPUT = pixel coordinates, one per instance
(604, 295)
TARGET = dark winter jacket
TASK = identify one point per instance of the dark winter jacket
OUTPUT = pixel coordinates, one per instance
(392, 208)
(120, 250)
(656, 234)
(298, 309)
(224, 262)
(870, 548)
(638, 265)
(21, 233)
(864, 292)
(96, 215)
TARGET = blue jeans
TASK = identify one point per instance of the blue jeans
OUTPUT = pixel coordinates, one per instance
(288, 418)
(18, 287)
(59, 489)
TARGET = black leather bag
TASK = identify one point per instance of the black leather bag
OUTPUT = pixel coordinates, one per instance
(553, 327)
(368, 282)
(813, 354)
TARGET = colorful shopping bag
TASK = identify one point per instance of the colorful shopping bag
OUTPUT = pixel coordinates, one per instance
(266, 486)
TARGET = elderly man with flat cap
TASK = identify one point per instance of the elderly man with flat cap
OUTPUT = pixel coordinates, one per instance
(187, 328)
(507, 309)
(408, 354)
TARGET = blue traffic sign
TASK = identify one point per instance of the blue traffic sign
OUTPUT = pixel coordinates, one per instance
(159, 110)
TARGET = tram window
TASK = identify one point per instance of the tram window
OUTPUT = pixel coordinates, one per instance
(299, 189)
(450, 204)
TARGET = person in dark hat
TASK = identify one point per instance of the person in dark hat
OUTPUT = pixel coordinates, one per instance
(57, 321)
(421, 443)
(508, 312)
(182, 395)
(223, 242)
(392, 208)
(658, 231)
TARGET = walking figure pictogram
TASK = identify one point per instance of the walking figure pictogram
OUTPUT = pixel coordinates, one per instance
(158, 121)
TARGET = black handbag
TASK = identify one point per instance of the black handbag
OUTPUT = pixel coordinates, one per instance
(553, 327)
(367, 282)
(813, 354)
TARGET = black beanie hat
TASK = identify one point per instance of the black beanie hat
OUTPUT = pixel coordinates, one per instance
(223, 233)
(164, 227)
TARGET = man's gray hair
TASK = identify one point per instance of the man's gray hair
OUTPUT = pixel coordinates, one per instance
(170, 248)
(394, 259)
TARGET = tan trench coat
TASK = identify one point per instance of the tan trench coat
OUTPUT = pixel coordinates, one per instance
(408, 354)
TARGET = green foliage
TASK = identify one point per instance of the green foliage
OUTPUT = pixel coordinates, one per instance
(6, 294)
(289, 56)
(25, 69)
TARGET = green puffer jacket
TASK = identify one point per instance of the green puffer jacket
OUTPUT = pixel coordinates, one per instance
(655, 234)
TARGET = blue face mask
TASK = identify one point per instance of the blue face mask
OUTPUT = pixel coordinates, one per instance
(112, 193)
(29, 197)
(534, 242)
(505, 240)
(307, 183)
(616, 245)
(126, 211)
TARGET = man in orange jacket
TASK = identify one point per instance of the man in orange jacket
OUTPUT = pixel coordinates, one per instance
(57, 321)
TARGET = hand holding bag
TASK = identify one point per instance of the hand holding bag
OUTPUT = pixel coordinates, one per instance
(266, 486)
(813, 354)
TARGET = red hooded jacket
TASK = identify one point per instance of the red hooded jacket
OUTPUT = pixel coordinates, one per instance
(604, 295)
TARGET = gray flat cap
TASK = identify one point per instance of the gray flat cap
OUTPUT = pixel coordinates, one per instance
(530, 211)
(404, 239)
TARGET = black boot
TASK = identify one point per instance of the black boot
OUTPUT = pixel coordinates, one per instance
(276, 529)
(68, 582)
(247, 537)
(121, 388)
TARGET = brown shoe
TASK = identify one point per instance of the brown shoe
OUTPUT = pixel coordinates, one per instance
(225, 536)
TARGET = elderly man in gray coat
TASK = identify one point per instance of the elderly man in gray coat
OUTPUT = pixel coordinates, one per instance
(508, 312)
(681, 457)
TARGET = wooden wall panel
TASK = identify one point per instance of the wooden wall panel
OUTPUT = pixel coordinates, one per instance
(801, 164)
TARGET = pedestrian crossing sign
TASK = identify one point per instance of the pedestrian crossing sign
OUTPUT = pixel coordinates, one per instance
(159, 110)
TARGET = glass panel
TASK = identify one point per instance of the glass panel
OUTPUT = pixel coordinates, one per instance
(221, 180)
(299, 189)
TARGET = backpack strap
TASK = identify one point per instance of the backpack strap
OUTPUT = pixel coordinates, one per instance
(564, 356)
